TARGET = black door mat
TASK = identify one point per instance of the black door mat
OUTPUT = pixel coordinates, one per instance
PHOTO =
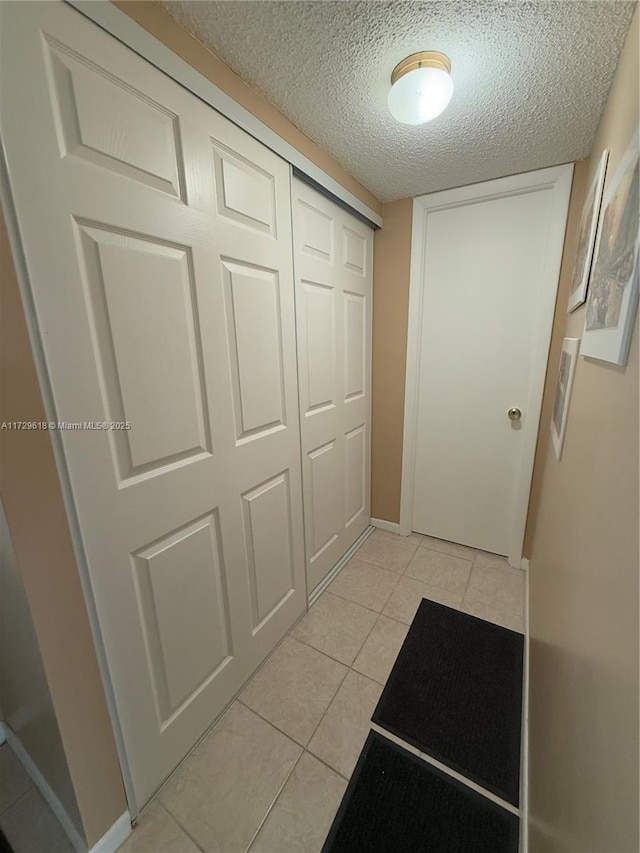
(5, 847)
(455, 692)
(397, 803)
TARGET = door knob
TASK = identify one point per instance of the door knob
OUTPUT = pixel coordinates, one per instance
(514, 414)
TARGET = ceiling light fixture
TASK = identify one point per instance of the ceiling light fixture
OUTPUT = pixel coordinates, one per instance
(421, 87)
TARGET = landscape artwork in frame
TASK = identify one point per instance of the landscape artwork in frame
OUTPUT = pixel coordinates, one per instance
(587, 232)
(568, 358)
(613, 288)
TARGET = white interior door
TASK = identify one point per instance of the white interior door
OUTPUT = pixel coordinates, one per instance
(158, 245)
(485, 267)
(333, 269)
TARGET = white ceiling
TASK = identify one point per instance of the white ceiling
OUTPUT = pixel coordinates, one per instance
(531, 79)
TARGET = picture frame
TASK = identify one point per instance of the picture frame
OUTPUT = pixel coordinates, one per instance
(566, 372)
(587, 233)
(613, 287)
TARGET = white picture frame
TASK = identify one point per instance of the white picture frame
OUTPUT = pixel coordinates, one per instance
(566, 372)
(587, 232)
(613, 286)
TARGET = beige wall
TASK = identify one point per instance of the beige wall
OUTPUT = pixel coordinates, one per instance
(584, 582)
(578, 191)
(26, 700)
(41, 539)
(166, 29)
(391, 263)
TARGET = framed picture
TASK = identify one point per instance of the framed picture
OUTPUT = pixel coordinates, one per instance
(587, 231)
(568, 358)
(613, 289)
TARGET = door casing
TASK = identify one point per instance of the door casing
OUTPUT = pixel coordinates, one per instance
(558, 179)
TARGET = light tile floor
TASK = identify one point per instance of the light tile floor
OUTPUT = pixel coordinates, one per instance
(25, 818)
(269, 777)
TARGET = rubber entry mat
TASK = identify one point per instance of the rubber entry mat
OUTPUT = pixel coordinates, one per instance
(396, 803)
(455, 692)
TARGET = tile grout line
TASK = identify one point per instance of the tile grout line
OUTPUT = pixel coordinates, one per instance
(397, 575)
(327, 765)
(19, 797)
(326, 710)
(304, 752)
(179, 825)
(375, 565)
(351, 666)
(335, 693)
(275, 800)
(303, 747)
(466, 588)
(351, 601)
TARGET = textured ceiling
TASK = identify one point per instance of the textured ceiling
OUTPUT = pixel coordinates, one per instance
(531, 79)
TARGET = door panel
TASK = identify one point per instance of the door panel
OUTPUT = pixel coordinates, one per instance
(158, 243)
(356, 474)
(318, 315)
(255, 349)
(324, 477)
(333, 262)
(180, 588)
(130, 134)
(152, 373)
(355, 345)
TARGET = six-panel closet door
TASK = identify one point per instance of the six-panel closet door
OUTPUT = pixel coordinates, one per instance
(333, 269)
(158, 243)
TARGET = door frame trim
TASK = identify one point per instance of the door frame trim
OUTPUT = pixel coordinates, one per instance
(559, 180)
(129, 32)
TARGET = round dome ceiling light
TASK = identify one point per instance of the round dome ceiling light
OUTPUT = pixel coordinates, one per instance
(421, 87)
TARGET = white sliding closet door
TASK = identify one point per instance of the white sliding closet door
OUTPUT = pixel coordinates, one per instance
(158, 246)
(333, 267)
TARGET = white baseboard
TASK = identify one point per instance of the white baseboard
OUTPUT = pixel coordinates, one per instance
(46, 790)
(390, 526)
(115, 836)
(524, 762)
(324, 583)
(3, 733)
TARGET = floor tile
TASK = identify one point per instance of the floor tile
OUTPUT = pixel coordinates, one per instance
(293, 689)
(441, 570)
(451, 548)
(341, 735)
(496, 588)
(303, 813)
(387, 550)
(14, 780)
(336, 627)
(365, 584)
(379, 653)
(492, 614)
(407, 596)
(157, 832)
(31, 826)
(222, 792)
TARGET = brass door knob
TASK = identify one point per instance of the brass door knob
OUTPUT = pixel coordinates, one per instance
(514, 414)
